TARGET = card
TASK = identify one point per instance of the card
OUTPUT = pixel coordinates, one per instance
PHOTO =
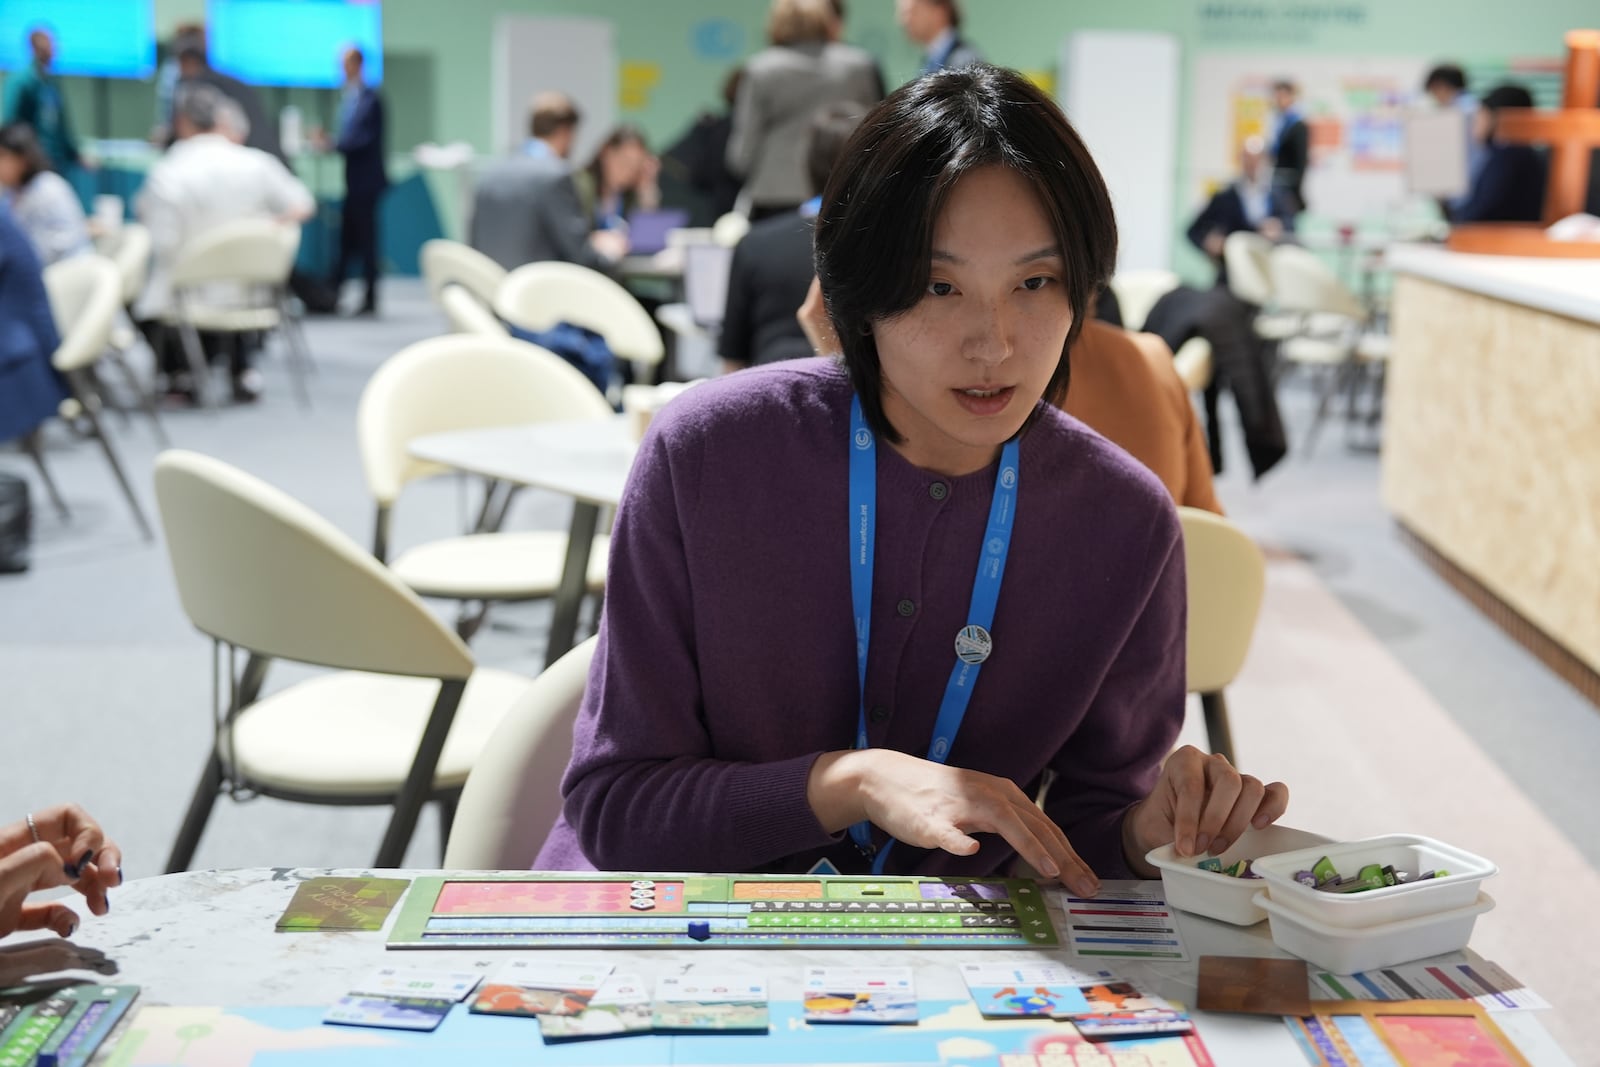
(1254, 986)
(711, 1001)
(388, 1013)
(1130, 925)
(1009, 990)
(540, 987)
(408, 983)
(1112, 994)
(1125, 1024)
(860, 995)
(342, 904)
(1453, 977)
(620, 1006)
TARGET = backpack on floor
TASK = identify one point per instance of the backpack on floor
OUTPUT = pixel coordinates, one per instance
(16, 524)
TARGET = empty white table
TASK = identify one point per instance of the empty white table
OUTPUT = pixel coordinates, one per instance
(587, 460)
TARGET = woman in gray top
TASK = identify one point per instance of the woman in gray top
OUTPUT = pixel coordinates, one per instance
(783, 86)
(44, 204)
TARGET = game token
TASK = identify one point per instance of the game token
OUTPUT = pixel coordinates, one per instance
(700, 930)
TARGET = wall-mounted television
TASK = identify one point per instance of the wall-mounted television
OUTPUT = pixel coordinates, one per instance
(293, 42)
(94, 38)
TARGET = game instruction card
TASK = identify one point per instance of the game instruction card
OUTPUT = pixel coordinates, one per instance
(389, 1013)
(540, 987)
(873, 995)
(709, 1000)
(342, 904)
(620, 1006)
(1452, 977)
(412, 983)
(1132, 924)
(1006, 990)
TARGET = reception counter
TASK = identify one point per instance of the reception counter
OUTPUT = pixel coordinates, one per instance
(1491, 458)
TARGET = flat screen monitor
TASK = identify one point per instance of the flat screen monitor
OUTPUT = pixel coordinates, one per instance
(93, 38)
(293, 42)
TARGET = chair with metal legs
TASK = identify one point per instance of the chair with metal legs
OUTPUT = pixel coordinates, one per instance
(1227, 578)
(130, 249)
(406, 712)
(85, 293)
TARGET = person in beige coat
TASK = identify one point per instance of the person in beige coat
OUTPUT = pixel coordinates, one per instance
(783, 86)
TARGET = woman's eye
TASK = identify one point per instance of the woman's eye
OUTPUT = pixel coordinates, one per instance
(1034, 284)
(940, 288)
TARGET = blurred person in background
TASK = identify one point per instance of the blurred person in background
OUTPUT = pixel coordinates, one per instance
(802, 69)
(1290, 147)
(526, 209)
(45, 206)
(772, 265)
(204, 181)
(195, 68)
(935, 27)
(621, 178)
(699, 159)
(1510, 183)
(360, 142)
(33, 95)
(167, 76)
(1250, 202)
(30, 389)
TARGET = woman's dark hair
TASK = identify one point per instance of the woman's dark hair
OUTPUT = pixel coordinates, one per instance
(620, 136)
(874, 234)
(18, 139)
(1447, 74)
(1508, 95)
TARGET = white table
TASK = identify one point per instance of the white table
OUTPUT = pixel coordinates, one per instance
(588, 461)
(206, 939)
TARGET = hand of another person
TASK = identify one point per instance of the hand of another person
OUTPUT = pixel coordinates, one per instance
(613, 244)
(1215, 242)
(1271, 228)
(71, 850)
(932, 805)
(814, 321)
(1200, 804)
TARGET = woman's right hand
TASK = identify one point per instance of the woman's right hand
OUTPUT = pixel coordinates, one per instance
(71, 850)
(932, 805)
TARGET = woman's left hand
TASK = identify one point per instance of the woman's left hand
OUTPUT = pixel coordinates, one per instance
(1201, 804)
(71, 850)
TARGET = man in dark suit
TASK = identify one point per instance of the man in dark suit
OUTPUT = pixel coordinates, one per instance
(935, 26)
(1290, 146)
(1509, 185)
(525, 209)
(193, 66)
(772, 266)
(361, 143)
(1250, 203)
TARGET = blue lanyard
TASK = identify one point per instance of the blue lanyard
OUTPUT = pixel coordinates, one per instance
(972, 644)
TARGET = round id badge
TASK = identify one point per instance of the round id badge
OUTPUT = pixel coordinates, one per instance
(973, 644)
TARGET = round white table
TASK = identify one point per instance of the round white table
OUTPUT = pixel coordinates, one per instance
(588, 461)
(206, 939)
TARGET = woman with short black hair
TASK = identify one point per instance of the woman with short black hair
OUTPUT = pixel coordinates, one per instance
(43, 202)
(889, 598)
(1509, 184)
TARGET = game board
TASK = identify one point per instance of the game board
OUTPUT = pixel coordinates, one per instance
(743, 911)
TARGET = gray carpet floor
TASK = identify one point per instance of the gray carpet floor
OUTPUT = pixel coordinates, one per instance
(105, 687)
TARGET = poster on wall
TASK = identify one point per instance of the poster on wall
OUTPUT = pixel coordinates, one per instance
(1355, 107)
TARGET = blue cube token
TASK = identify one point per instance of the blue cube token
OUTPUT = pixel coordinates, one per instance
(700, 930)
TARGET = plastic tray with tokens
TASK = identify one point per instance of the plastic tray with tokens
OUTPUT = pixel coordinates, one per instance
(61, 1027)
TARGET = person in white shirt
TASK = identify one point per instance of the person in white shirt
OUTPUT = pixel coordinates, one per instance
(207, 179)
(44, 203)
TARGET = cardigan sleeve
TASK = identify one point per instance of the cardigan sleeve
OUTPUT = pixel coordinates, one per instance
(643, 791)
(1114, 758)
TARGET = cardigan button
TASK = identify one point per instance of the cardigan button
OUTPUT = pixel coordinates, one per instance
(938, 490)
(906, 608)
(878, 714)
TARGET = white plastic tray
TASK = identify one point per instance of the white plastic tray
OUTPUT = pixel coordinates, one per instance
(1217, 896)
(1408, 852)
(1347, 951)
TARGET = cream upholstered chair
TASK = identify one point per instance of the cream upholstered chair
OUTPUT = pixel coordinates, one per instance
(463, 382)
(406, 714)
(1336, 338)
(537, 296)
(234, 278)
(468, 314)
(513, 795)
(1226, 577)
(445, 262)
(129, 247)
(85, 294)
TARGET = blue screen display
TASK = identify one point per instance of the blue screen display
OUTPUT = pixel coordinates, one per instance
(293, 42)
(94, 38)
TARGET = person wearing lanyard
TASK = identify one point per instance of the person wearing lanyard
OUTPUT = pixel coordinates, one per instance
(860, 611)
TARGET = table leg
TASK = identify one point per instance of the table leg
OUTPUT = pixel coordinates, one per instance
(574, 580)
